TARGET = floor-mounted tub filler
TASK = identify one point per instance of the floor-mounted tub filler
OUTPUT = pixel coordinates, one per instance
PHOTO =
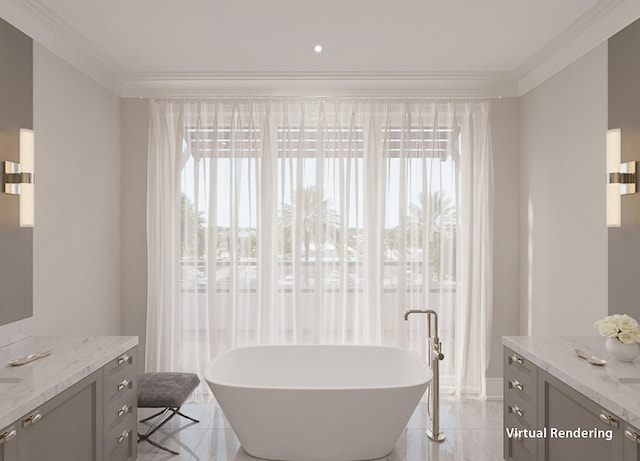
(318, 403)
(434, 354)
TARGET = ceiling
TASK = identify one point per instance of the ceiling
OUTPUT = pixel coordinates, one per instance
(357, 35)
(138, 42)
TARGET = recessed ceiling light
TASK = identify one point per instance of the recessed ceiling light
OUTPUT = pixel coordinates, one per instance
(318, 48)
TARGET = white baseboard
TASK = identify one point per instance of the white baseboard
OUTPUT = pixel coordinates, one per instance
(494, 388)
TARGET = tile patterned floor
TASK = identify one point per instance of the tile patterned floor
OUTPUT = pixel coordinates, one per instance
(473, 429)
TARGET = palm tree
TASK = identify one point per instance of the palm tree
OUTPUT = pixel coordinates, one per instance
(192, 242)
(316, 228)
(435, 214)
(392, 243)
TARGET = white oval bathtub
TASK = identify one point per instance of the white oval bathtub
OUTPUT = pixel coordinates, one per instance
(318, 403)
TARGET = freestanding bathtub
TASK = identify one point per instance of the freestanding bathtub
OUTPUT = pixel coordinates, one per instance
(318, 403)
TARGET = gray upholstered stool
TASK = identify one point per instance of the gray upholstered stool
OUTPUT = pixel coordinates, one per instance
(168, 391)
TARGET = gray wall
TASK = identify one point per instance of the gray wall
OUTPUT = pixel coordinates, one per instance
(16, 111)
(624, 113)
(77, 232)
(506, 259)
(563, 234)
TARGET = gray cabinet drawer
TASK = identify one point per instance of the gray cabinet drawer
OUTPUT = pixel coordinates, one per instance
(117, 386)
(521, 384)
(518, 448)
(631, 443)
(121, 441)
(518, 361)
(9, 443)
(122, 363)
(118, 409)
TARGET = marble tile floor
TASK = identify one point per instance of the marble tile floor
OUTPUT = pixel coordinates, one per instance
(473, 429)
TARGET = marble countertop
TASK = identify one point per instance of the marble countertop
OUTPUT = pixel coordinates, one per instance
(605, 385)
(72, 359)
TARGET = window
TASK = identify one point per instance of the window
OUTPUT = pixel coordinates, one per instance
(319, 206)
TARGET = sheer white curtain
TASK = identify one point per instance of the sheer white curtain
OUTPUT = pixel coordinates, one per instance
(319, 221)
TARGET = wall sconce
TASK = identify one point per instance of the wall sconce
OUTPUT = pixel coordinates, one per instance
(621, 177)
(18, 178)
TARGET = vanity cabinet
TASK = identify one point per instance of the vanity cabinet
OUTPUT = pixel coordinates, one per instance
(537, 401)
(93, 420)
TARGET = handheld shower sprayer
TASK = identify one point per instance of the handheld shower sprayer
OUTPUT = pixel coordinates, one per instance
(435, 355)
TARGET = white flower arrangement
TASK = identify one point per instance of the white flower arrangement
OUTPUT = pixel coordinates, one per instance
(623, 327)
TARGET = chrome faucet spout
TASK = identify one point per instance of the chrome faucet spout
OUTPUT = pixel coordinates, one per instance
(411, 311)
(417, 311)
(430, 313)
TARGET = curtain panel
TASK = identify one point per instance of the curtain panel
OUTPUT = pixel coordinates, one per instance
(305, 221)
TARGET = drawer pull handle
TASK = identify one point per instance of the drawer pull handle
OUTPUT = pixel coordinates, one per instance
(516, 359)
(8, 435)
(515, 409)
(32, 419)
(515, 384)
(123, 410)
(122, 437)
(632, 435)
(122, 359)
(608, 419)
(123, 384)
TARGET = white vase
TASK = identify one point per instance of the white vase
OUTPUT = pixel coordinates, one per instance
(621, 351)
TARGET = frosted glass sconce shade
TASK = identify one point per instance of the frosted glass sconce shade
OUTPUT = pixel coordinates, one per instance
(621, 178)
(613, 190)
(17, 178)
(27, 189)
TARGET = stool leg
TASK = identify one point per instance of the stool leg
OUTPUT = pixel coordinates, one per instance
(152, 416)
(188, 417)
(156, 444)
(158, 423)
(161, 421)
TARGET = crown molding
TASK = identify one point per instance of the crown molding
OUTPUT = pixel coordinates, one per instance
(54, 33)
(458, 84)
(593, 28)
